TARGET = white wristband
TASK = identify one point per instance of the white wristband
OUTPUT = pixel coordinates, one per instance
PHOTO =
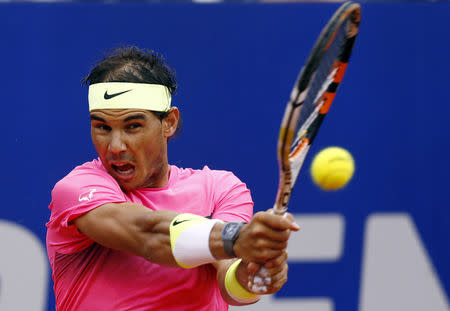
(189, 239)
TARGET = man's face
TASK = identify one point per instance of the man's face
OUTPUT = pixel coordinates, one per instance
(132, 145)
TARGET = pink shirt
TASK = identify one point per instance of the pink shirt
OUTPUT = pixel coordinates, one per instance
(88, 276)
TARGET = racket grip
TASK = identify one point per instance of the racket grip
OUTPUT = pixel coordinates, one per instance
(279, 210)
(258, 284)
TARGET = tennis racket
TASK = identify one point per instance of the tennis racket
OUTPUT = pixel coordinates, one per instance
(310, 101)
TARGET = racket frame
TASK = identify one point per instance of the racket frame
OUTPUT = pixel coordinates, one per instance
(290, 159)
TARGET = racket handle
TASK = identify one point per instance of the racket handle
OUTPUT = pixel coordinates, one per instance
(258, 284)
(279, 209)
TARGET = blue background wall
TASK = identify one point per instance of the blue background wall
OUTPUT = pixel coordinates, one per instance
(236, 64)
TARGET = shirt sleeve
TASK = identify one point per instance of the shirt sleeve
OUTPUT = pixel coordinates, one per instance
(76, 194)
(232, 198)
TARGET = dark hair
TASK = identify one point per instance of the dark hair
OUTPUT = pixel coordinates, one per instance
(132, 64)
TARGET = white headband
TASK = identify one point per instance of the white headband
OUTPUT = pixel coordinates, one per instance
(125, 95)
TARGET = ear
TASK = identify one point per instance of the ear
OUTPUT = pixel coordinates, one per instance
(170, 122)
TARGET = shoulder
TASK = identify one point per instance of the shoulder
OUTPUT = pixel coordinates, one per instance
(88, 174)
(86, 187)
(212, 175)
(94, 167)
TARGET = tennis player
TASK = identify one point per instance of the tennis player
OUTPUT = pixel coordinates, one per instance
(129, 231)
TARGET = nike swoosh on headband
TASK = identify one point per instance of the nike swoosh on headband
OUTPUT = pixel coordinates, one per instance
(109, 96)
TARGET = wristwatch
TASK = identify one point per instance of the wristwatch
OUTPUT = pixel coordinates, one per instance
(230, 233)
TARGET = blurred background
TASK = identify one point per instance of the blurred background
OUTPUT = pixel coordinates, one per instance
(381, 243)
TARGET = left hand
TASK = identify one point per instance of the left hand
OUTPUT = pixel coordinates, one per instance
(277, 268)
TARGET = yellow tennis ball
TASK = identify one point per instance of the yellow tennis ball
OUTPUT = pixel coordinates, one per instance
(332, 168)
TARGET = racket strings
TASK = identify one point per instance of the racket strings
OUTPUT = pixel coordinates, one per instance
(322, 78)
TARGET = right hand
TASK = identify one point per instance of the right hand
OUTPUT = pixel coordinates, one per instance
(265, 237)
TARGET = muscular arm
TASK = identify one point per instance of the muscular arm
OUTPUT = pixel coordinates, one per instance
(130, 228)
(135, 229)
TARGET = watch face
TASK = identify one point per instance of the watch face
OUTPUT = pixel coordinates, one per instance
(230, 229)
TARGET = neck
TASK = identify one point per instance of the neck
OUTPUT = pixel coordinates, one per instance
(160, 179)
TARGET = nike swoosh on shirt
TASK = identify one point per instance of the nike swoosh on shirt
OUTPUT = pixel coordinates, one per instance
(109, 96)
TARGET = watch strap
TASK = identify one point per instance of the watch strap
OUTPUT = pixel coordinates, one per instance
(230, 233)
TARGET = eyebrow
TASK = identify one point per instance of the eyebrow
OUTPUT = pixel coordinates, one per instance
(95, 118)
(135, 117)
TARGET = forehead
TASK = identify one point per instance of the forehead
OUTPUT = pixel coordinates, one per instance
(110, 115)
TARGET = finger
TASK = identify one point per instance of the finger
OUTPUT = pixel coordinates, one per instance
(278, 284)
(295, 226)
(278, 261)
(252, 268)
(265, 255)
(267, 242)
(276, 222)
(278, 279)
(290, 217)
(258, 231)
(277, 270)
(259, 255)
(259, 250)
(257, 237)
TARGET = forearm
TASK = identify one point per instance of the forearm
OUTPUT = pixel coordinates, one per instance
(162, 236)
(137, 230)
(222, 268)
(130, 228)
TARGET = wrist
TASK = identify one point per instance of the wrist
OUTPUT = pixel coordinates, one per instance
(216, 243)
(234, 289)
(229, 235)
(190, 240)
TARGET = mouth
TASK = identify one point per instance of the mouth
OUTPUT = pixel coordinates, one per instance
(124, 171)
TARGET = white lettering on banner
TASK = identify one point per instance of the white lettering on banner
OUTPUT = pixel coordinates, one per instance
(397, 273)
(269, 303)
(321, 239)
(24, 271)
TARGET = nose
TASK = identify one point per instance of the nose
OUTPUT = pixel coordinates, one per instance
(117, 143)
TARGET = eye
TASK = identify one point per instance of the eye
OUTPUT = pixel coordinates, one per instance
(102, 127)
(133, 126)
